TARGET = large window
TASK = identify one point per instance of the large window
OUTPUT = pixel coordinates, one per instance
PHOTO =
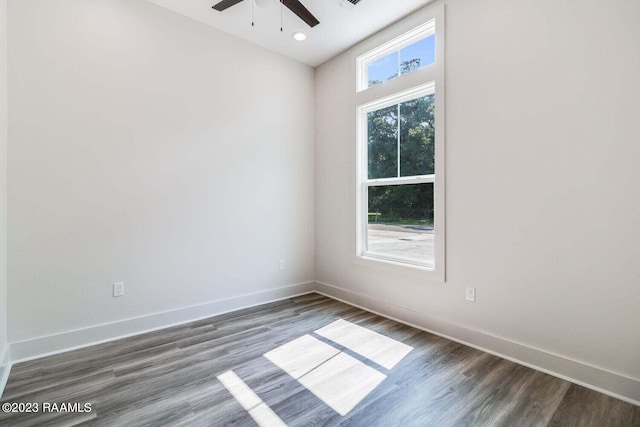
(400, 132)
(398, 143)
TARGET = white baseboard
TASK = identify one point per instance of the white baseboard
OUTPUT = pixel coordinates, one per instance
(52, 344)
(610, 383)
(5, 367)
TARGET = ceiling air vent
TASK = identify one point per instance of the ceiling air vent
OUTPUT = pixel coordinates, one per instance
(349, 3)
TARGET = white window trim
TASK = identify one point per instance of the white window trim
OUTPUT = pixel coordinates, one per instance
(405, 87)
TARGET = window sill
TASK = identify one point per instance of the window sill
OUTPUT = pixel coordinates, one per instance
(394, 266)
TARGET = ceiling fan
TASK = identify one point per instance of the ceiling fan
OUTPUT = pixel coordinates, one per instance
(293, 5)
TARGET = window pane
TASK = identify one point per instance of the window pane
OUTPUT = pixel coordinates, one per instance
(382, 144)
(404, 61)
(383, 69)
(418, 55)
(417, 136)
(400, 224)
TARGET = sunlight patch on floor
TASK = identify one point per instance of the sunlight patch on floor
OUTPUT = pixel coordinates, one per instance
(383, 350)
(301, 356)
(261, 413)
(338, 379)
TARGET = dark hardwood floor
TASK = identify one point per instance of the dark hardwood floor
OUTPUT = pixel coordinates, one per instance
(170, 377)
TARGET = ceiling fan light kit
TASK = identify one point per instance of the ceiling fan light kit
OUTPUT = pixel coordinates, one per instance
(299, 36)
(293, 5)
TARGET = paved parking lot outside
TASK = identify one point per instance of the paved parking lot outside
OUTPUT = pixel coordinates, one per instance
(415, 243)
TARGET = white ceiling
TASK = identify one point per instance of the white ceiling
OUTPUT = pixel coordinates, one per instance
(341, 26)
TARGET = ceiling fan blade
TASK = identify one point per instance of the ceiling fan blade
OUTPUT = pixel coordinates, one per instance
(225, 4)
(303, 13)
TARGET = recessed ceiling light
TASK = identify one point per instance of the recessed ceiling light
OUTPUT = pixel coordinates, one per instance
(299, 36)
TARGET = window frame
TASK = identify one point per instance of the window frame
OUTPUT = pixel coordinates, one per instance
(423, 81)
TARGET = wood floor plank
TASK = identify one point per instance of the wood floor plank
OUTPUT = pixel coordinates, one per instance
(169, 377)
(536, 403)
(498, 404)
(421, 398)
(582, 407)
(55, 420)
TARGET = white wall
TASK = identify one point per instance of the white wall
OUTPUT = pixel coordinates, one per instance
(543, 143)
(154, 150)
(4, 356)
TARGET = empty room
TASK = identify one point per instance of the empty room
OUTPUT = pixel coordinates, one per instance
(405, 213)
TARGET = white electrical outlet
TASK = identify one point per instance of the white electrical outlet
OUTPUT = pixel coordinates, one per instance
(281, 264)
(471, 294)
(118, 289)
